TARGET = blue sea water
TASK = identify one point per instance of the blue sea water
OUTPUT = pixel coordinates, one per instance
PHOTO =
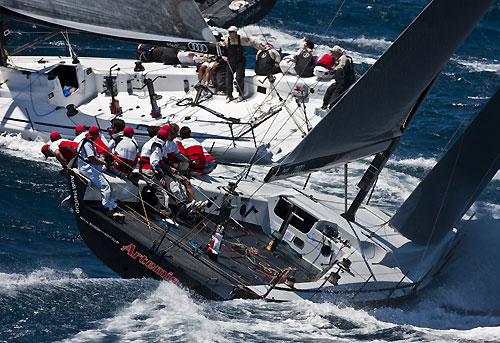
(53, 289)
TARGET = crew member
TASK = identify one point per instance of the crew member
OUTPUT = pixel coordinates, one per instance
(172, 177)
(305, 60)
(125, 153)
(149, 162)
(80, 133)
(201, 161)
(267, 61)
(92, 167)
(236, 60)
(343, 70)
(100, 142)
(209, 63)
(324, 65)
(63, 150)
(116, 132)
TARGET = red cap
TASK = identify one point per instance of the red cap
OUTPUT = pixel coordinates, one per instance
(54, 136)
(128, 131)
(93, 129)
(79, 129)
(162, 134)
(45, 149)
(167, 128)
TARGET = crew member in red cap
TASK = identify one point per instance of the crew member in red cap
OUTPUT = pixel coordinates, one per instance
(126, 153)
(100, 143)
(170, 155)
(92, 167)
(80, 132)
(63, 150)
(149, 164)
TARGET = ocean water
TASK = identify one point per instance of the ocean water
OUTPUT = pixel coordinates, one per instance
(53, 289)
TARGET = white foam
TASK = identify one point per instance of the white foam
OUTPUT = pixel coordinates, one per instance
(15, 145)
(10, 283)
(290, 42)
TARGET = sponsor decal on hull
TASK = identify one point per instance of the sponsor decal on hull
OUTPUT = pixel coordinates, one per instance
(143, 259)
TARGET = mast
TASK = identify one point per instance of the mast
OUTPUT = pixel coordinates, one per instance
(371, 174)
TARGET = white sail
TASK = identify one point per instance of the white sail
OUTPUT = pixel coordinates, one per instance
(147, 21)
(370, 115)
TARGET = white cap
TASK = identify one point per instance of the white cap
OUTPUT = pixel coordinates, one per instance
(216, 33)
(336, 48)
(232, 29)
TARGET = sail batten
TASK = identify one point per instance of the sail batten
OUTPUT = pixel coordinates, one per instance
(373, 110)
(139, 21)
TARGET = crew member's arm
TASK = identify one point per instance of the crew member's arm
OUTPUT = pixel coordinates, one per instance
(246, 41)
(61, 159)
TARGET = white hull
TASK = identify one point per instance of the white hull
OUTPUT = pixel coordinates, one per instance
(32, 102)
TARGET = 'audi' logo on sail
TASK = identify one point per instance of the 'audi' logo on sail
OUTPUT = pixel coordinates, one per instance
(197, 47)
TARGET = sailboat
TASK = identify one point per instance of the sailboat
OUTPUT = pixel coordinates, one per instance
(41, 94)
(260, 240)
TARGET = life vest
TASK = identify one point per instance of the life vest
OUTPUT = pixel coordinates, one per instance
(305, 63)
(235, 52)
(67, 148)
(80, 148)
(170, 153)
(147, 150)
(126, 154)
(264, 65)
(194, 151)
(326, 61)
(102, 148)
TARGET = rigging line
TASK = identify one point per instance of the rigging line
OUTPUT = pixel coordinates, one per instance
(464, 119)
(334, 17)
(72, 52)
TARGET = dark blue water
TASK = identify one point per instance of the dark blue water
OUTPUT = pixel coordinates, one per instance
(53, 289)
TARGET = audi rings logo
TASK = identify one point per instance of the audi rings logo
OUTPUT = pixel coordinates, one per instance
(306, 55)
(197, 47)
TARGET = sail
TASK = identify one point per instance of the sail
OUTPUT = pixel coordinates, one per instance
(448, 191)
(370, 115)
(146, 21)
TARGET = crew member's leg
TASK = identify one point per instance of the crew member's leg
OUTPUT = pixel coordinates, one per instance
(240, 77)
(160, 193)
(229, 81)
(328, 95)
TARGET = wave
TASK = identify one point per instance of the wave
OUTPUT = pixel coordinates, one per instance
(290, 41)
(172, 314)
(15, 145)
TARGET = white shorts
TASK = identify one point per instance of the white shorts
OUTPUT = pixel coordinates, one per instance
(287, 65)
(208, 64)
(322, 73)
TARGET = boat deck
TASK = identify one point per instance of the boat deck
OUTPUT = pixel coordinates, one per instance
(243, 259)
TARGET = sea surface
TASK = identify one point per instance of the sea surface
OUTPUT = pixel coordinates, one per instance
(53, 289)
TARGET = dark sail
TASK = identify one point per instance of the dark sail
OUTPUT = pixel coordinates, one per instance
(370, 115)
(147, 21)
(448, 191)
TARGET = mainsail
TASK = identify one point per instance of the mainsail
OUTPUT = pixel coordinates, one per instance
(447, 192)
(370, 115)
(146, 21)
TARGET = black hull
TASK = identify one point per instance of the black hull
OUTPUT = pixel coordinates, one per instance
(141, 249)
(131, 255)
